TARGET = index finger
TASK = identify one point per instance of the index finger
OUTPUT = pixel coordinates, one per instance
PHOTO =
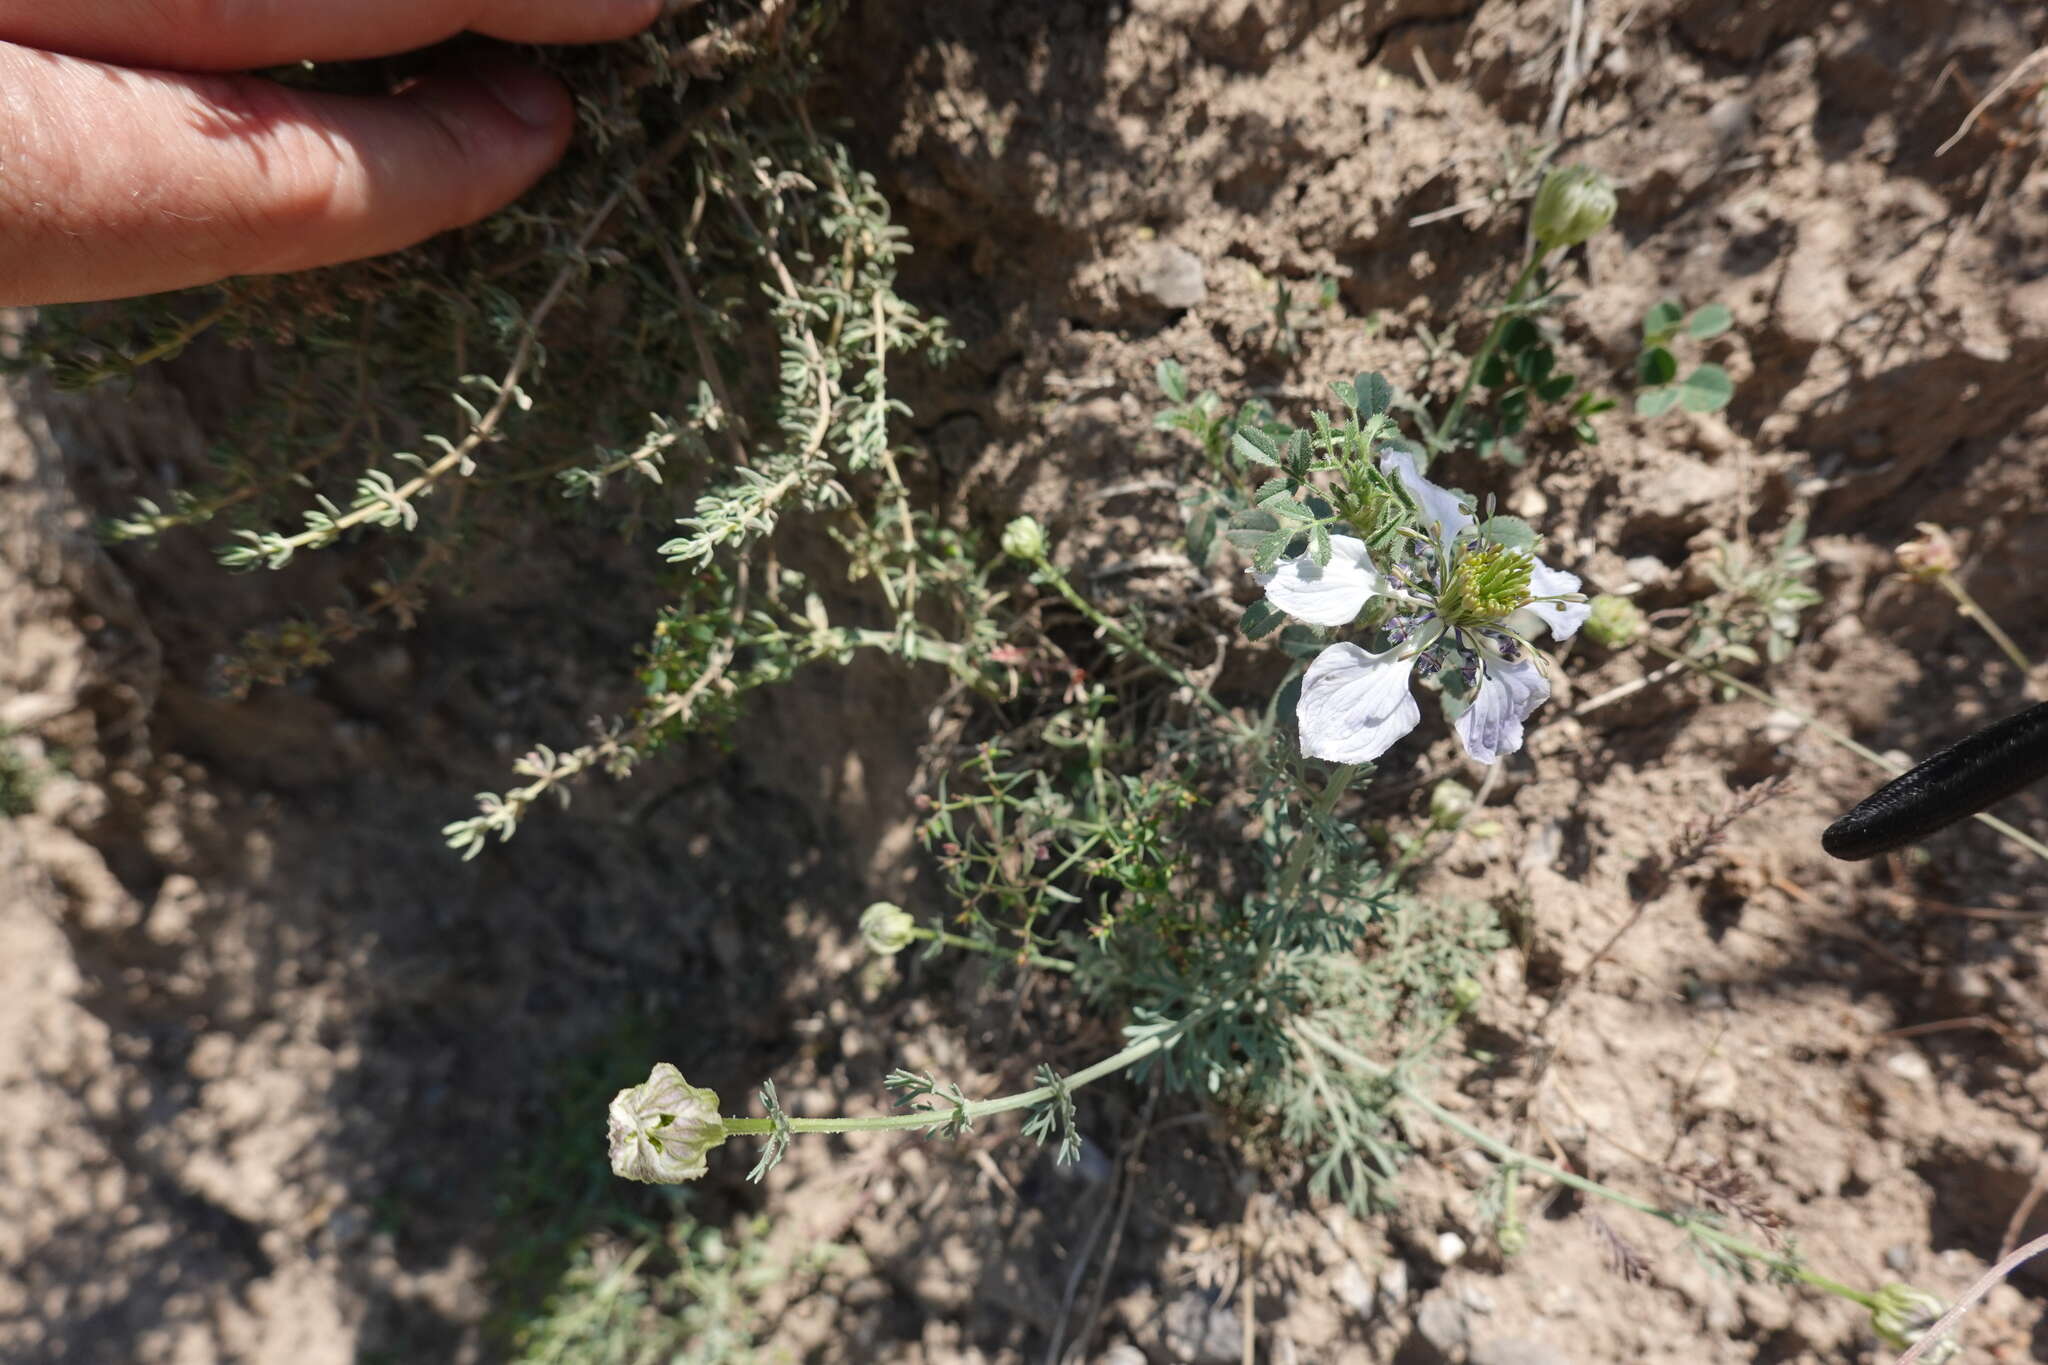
(230, 35)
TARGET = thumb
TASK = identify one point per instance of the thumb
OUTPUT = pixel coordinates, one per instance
(116, 182)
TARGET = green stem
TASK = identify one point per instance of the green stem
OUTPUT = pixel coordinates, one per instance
(1447, 430)
(1983, 618)
(1306, 842)
(1131, 642)
(1023, 1099)
(1822, 728)
(1513, 1157)
(1031, 955)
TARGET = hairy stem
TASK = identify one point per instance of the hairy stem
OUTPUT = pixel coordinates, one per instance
(1031, 956)
(928, 1118)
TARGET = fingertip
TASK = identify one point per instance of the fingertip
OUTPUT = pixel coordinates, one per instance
(533, 97)
(503, 125)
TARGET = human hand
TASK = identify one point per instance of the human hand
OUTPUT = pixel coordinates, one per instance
(134, 160)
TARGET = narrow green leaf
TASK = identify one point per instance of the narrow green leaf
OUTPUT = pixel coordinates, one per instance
(1202, 537)
(1256, 447)
(1375, 394)
(1301, 641)
(1319, 543)
(1173, 380)
(1271, 549)
(1260, 619)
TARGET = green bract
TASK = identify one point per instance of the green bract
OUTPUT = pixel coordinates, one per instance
(1615, 621)
(887, 929)
(1574, 203)
(1901, 1315)
(660, 1130)
(1024, 538)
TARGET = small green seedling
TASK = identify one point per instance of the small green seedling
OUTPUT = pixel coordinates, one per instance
(1708, 388)
(1525, 367)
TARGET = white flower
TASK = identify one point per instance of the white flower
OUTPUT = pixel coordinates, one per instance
(1460, 607)
(660, 1130)
(1329, 594)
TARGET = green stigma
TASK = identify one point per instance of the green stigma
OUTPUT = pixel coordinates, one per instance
(1488, 583)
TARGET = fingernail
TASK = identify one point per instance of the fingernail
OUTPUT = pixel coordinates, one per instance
(533, 97)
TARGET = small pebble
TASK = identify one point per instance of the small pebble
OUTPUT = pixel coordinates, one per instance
(1353, 1289)
(1393, 1286)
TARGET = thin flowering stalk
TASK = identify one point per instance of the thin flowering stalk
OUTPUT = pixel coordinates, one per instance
(1830, 733)
(1029, 957)
(1932, 557)
(1969, 607)
(1405, 1086)
(1446, 431)
(975, 1109)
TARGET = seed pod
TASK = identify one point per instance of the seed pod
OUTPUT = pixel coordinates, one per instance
(1573, 204)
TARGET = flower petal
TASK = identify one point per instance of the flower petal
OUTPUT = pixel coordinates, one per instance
(1355, 706)
(659, 1130)
(1563, 618)
(1508, 692)
(1325, 594)
(1440, 507)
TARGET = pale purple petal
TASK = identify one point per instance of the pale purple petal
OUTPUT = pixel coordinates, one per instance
(1325, 594)
(1355, 706)
(1440, 507)
(1508, 692)
(1563, 618)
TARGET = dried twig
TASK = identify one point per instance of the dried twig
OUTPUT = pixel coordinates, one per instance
(2024, 1210)
(1623, 1258)
(1992, 96)
(1985, 1283)
(1694, 842)
(1733, 1193)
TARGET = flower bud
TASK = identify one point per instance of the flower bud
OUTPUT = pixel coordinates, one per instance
(1574, 203)
(1466, 993)
(1449, 802)
(660, 1130)
(1932, 555)
(1615, 621)
(887, 929)
(1024, 538)
(1902, 1315)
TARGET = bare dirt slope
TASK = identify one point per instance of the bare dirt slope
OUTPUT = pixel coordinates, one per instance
(256, 1027)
